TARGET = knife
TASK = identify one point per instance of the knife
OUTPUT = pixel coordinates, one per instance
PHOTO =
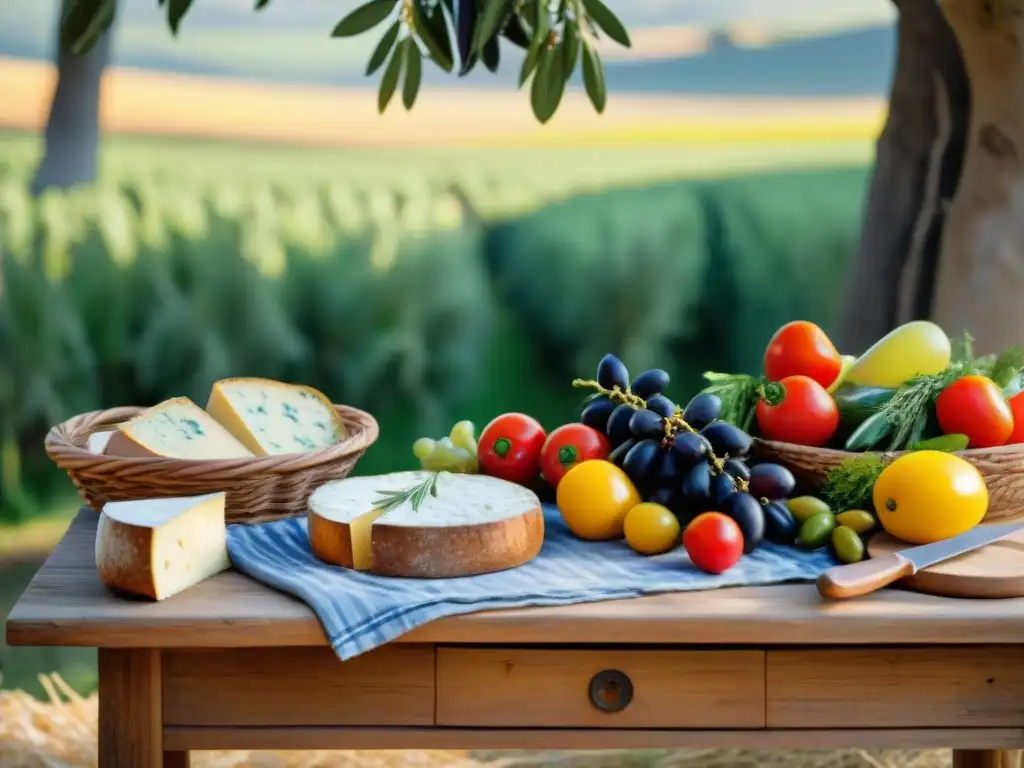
(868, 576)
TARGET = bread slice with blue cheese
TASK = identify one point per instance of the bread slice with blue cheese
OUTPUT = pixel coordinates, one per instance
(176, 428)
(270, 417)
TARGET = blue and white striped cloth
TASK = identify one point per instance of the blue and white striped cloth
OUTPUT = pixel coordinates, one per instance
(361, 612)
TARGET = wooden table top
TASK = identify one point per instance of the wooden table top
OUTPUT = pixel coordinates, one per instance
(67, 605)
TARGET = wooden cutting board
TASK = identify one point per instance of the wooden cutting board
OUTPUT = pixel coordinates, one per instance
(995, 570)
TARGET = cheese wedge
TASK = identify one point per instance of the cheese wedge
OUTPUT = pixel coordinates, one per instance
(97, 441)
(476, 524)
(157, 548)
(176, 428)
(270, 417)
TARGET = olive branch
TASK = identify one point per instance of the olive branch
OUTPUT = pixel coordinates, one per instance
(557, 36)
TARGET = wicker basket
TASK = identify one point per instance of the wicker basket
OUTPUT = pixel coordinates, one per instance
(258, 490)
(1002, 468)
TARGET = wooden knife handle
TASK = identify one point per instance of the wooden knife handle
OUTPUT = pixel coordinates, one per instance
(864, 577)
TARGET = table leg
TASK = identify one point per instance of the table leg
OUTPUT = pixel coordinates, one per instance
(130, 709)
(987, 758)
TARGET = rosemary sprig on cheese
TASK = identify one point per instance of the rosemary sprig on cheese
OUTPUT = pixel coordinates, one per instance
(416, 495)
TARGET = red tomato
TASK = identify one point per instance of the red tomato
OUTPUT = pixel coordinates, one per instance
(975, 406)
(510, 446)
(567, 446)
(801, 348)
(806, 414)
(1017, 408)
(714, 542)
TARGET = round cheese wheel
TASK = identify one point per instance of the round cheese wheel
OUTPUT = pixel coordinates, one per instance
(475, 524)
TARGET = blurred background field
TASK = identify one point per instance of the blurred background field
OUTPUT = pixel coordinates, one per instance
(454, 262)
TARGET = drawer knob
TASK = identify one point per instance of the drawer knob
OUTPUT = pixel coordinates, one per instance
(611, 690)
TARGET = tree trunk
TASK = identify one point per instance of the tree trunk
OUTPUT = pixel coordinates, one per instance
(73, 126)
(981, 277)
(918, 159)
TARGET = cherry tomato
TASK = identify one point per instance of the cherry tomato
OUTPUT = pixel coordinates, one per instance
(594, 498)
(567, 446)
(1017, 409)
(806, 414)
(510, 446)
(714, 542)
(801, 348)
(975, 406)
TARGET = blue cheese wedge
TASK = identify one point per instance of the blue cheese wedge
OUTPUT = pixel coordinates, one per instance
(156, 548)
(270, 417)
(176, 428)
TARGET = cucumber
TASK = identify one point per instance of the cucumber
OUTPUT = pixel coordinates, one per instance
(857, 404)
(870, 433)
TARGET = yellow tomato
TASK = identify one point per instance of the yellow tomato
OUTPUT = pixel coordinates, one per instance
(927, 496)
(594, 497)
(651, 529)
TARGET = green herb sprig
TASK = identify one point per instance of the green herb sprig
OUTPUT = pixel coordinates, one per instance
(739, 394)
(849, 485)
(416, 495)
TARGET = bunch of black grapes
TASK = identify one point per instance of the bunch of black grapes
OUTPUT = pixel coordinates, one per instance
(687, 459)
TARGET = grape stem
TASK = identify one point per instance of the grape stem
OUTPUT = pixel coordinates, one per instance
(674, 424)
(616, 394)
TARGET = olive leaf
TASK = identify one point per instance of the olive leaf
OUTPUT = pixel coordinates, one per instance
(494, 14)
(492, 54)
(83, 24)
(389, 82)
(538, 43)
(364, 17)
(602, 15)
(413, 74)
(593, 77)
(176, 10)
(530, 10)
(515, 32)
(571, 47)
(380, 53)
(434, 34)
(548, 84)
(261, 4)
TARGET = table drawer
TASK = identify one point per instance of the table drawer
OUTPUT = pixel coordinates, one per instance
(298, 686)
(961, 686)
(532, 688)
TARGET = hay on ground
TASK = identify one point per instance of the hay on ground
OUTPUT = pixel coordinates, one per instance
(61, 733)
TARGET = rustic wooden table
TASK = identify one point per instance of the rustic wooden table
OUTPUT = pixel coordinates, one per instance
(233, 664)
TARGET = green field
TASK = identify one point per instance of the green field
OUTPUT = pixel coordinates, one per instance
(422, 285)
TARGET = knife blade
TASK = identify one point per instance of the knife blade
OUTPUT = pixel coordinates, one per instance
(871, 575)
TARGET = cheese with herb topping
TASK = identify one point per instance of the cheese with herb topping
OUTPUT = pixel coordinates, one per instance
(270, 417)
(474, 524)
(176, 428)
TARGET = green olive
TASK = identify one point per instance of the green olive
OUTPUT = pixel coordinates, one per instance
(847, 545)
(816, 529)
(805, 507)
(861, 521)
